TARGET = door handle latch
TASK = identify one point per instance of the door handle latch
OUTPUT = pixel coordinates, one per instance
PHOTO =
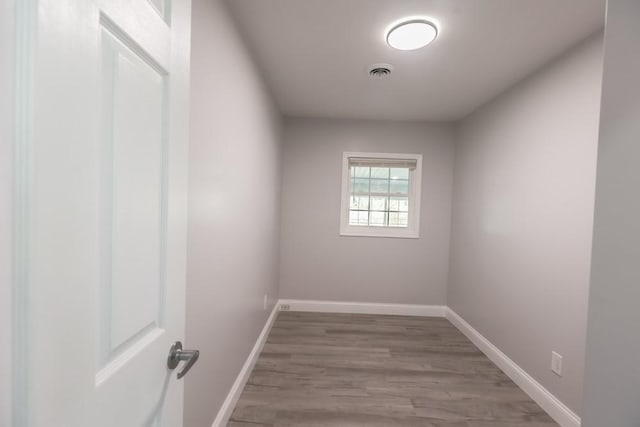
(177, 355)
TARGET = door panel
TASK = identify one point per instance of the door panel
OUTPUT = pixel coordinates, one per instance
(134, 195)
(103, 202)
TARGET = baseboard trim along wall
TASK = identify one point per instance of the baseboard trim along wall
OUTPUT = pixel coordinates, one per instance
(229, 404)
(547, 401)
(363, 308)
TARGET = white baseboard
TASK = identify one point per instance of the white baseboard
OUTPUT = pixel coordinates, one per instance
(363, 308)
(236, 389)
(547, 401)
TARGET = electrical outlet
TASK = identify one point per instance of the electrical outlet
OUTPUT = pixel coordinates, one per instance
(285, 307)
(556, 363)
(265, 304)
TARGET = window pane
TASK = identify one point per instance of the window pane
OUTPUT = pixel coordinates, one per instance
(379, 203)
(360, 185)
(399, 173)
(402, 204)
(380, 173)
(379, 186)
(361, 203)
(399, 204)
(379, 196)
(399, 187)
(393, 219)
(360, 172)
(353, 217)
(378, 219)
(404, 219)
(358, 217)
(398, 219)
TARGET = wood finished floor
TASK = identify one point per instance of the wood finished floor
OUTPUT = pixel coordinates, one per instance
(319, 369)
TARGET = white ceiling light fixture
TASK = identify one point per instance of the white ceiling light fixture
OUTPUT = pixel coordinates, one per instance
(411, 33)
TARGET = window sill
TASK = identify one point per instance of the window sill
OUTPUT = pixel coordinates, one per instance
(386, 233)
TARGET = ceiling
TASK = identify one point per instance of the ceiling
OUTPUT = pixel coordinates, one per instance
(315, 54)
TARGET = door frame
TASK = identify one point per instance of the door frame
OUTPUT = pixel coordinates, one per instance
(7, 126)
(19, 18)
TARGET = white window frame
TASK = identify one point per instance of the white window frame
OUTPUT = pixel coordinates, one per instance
(415, 181)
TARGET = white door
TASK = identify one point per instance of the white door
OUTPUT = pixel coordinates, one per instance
(100, 211)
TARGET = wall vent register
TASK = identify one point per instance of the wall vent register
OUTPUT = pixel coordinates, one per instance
(381, 195)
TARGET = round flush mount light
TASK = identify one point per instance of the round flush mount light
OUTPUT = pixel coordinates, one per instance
(411, 34)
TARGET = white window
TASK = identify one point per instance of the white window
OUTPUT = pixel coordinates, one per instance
(380, 195)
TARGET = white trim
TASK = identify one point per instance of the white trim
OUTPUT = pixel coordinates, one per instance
(415, 192)
(7, 126)
(236, 389)
(547, 401)
(362, 308)
(26, 24)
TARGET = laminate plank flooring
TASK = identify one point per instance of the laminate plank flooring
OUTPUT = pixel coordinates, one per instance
(321, 369)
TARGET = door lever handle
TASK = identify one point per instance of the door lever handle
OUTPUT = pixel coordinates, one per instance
(177, 355)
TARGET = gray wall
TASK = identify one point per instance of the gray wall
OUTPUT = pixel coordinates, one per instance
(612, 377)
(522, 218)
(233, 209)
(316, 263)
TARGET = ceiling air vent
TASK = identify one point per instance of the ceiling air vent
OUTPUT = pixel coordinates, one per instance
(380, 70)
